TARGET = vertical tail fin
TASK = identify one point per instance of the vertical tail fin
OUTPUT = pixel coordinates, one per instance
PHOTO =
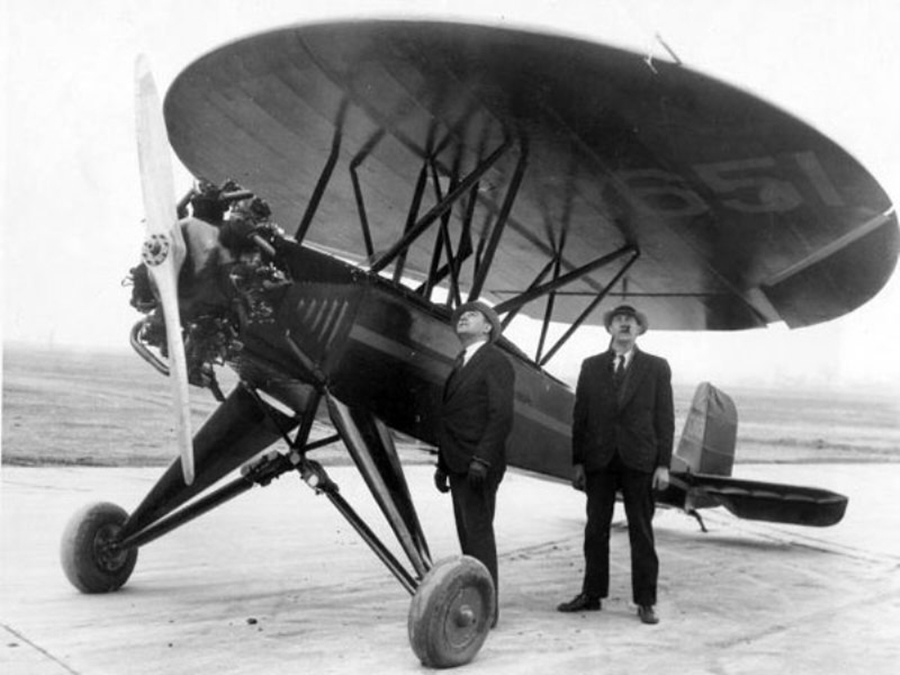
(710, 432)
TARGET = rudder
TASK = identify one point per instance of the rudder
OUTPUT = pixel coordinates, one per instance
(708, 441)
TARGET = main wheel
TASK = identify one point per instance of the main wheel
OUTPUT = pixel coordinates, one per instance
(451, 612)
(90, 554)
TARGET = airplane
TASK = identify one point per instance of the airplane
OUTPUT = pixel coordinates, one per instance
(357, 181)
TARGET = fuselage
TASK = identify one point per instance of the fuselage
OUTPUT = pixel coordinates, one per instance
(384, 348)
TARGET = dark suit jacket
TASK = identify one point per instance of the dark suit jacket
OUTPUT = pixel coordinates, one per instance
(477, 412)
(639, 422)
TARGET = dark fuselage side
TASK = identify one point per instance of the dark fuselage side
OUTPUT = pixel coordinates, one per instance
(386, 349)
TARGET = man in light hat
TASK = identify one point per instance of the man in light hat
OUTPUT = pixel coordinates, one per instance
(622, 434)
(476, 418)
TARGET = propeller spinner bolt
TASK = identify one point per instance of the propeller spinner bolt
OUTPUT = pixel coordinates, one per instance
(155, 249)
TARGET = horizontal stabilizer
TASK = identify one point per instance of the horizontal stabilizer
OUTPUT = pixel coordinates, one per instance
(771, 502)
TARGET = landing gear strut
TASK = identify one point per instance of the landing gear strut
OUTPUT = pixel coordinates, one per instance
(453, 601)
(452, 606)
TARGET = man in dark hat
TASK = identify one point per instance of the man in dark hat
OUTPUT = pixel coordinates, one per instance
(476, 418)
(622, 435)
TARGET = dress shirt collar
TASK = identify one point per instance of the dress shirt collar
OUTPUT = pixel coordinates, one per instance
(629, 355)
(469, 351)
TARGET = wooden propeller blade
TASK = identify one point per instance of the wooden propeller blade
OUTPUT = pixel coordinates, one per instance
(164, 249)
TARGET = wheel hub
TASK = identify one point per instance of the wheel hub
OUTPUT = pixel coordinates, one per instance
(465, 617)
(107, 552)
(462, 625)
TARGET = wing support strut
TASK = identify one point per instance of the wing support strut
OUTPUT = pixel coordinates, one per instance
(413, 213)
(444, 245)
(539, 290)
(325, 176)
(464, 249)
(360, 157)
(516, 303)
(483, 264)
(551, 302)
(591, 307)
(414, 232)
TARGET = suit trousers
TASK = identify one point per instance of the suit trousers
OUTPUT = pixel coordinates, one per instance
(637, 495)
(473, 510)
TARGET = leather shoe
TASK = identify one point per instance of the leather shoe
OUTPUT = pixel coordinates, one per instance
(580, 603)
(647, 615)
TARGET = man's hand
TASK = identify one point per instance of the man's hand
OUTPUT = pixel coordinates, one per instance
(578, 477)
(440, 480)
(477, 474)
(661, 478)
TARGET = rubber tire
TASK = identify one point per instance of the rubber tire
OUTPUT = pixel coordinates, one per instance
(453, 585)
(87, 564)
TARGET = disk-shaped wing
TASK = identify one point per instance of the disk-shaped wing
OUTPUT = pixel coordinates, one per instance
(743, 215)
(164, 249)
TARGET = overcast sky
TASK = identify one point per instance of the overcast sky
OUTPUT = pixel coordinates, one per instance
(70, 192)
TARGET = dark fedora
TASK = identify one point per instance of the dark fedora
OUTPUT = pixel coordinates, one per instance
(627, 310)
(488, 312)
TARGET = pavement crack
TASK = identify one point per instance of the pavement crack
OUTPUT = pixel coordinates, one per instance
(38, 648)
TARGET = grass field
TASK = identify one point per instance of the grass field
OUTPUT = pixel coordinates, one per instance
(112, 409)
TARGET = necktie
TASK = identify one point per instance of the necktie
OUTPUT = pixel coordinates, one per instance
(458, 363)
(619, 371)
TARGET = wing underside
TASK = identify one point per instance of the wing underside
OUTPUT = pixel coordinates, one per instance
(735, 213)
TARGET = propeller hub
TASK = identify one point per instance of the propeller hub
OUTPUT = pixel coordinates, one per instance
(156, 249)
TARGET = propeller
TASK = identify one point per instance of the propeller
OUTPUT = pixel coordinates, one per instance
(164, 249)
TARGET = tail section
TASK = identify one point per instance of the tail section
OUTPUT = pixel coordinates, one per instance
(701, 473)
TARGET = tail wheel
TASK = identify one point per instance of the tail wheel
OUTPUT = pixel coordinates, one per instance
(90, 553)
(451, 612)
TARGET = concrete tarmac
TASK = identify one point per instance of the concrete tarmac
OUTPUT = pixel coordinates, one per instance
(276, 582)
